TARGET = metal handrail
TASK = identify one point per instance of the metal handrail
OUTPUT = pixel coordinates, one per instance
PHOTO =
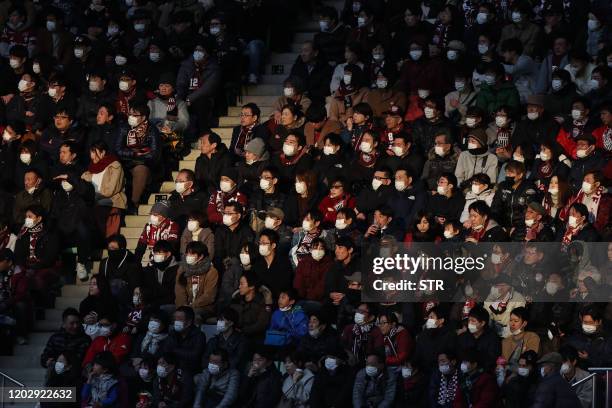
(12, 380)
(585, 379)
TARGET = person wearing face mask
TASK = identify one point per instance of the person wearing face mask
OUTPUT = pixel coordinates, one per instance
(495, 91)
(83, 61)
(444, 383)
(309, 280)
(521, 67)
(232, 235)
(522, 28)
(198, 80)
(332, 163)
(519, 390)
(69, 337)
(480, 190)
(476, 385)
(58, 96)
(320, 340)
(350, 98)
(375, 385)
(159, 278)
(332, 36)
(197, 282)
(267, 196)
(352, 57)
(227, 193)
(333, 384)
(409, 197)
(155, 63)
(480, 337)
(172, 386)
(152, 340)
(294, 158)
(578, 227)
(447, 202)
(288, 323)
(293, 94)
(536, 227)
(129, 92)
(159, 227)
(376, 195)
(318, 126)
(145, 370)
(17, 61)
(387, 102)
(589, 158)
(17, 29)
(519, 340)
(601, 84)
(54, 39)
(556, 57)
(595, 197)
(500, 303)
(219, 382)
(110, 339)
(197, 229)
(553, 389)
(256, 160)
(441, 158)
(404, 154)
(580, 68)
(363, 336)
(345, 225)
(483, 228)
(24, 106)
(262, 386)
(9, 154)
(457, 102)
(368, 32)
(138, 311)
(339, 197)
(34, 192)
(572, 373)
(102, 384)
(394, 125)
(432, 123)
(94, 95)
(186, 341)
(229, 339)
(186, 198)
(303, 237)
(64, 372)
(577, 124)
(418, 69)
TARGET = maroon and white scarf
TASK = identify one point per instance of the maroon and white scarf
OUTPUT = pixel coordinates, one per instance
(35, 233)
(607, 139)
(136, 136)
(591, 203)
(361, 334)
(291, 160)
(367, 159)
(303, 248)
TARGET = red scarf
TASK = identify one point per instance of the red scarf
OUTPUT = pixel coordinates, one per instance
(289, 161)
(592, 206)
(532, 233)
(367, 159)
(478, 235)
(569, 234)
(245, 136)
(35, 233)
(4, 238)
(123, 101)
(100, 166)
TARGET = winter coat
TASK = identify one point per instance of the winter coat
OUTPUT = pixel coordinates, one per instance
(71, 209)
(316, 79)
(47, 250)
(309, 278)
(315, 348)
(405, 204)
(223, 387)
(159, 112)
(338, 110)
(333, 389)
(253, 316)
(329, 126)
(432, 341)
(501, 321)
(490, 99)
(534, 132)
(554, 392)
(127, 154)
(381, 100)
(528, 33)
(370, 342)
(236, 346)
(61, 341)
(182, 205)
(399, 347)
(277, 276)
(263, 390)
(466, 99)
(424, 132)
(257, 131)
(470, 198)
(482, 392)
(89, 102)
(378, 392)
(41, 196)
(119, 345)
(188, 347)
(436, 165)
(294, 322)
(444, 207)
(228, 243)
(110, 186)
(196, 285)
(205, 236)
(208, 170)
(188, 88)
(217, 202)
(487, 345)
(469, 164)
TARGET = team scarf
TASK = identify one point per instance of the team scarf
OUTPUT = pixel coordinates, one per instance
(368, 159)
(361, 334)
(136, 136)
(35, 233)
(591, 203)
(448, 388)
(607, 139)
(291, 160)
(123, 102)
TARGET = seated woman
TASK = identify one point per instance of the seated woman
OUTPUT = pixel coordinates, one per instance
(301, 244)
(106, 175)
(291, 120)
(99, 300)
(293, 94)
(36, 251)
(198, 229)
(481, 190)
(352, 91)
(338, 198)
(302, 198)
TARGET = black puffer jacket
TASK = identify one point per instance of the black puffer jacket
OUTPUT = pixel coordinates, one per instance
(208, 170)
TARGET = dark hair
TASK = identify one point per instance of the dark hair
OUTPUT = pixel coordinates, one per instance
(141, 108)
(252, 279)
(273, 170)
(200, 217)
(71, 145)
(385, 210)
(187, 311)
(391, 316)
(119, 239)
(384, 169)
(584, 101)
(470, 355)
(99, 145)
(218, 351)
(329, 12)
(347, 212)
(345, 242)
(33, 170)
(482, 178)
(230, 315)
(17, 125)
(406, 137)
(170, 357)
(294, 109)
(299, 135)
(314, 214)
(512, 44)
(581, 209)
(316, 113)
(253, 108)
(481, 208)
(110, 108)
(162, 246)
(521, 312)
(106, 360)
(450, 178)
(334, 139)
(212, 137)
(296, 82)
(365, 109)
(37, 210)
(568, 352)
(198, 248)
(189, 173)
(291, 293)
(239, 208)
(70, 311)
(271, 234)
(479, 313)
(591, 310)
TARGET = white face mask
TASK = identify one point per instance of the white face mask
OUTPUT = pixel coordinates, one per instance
(439, 150)
(6, 136)
(398, 151)
(52, 92)
(213, 369)
(472, 327)
(191, 259)
(104, 331)
(589, 328)
(500, 121)
(452, 55)
(159, 258)
(406, 372)
(227, 220)
(51, 26)
(180, 187)
(143, 373)
(587, 187)
(328, 150)
(516, 17)
(361, 22)
(576, 114)
(331, 364)
(289, 150)
(551, 288)
(226, 186)
(193, 225)
(139, 28)
(465, 367)
(365, 147)
(581, 153)
(265, 184)
(161, 371)
(300, 187)
(359, 318)
(317, 254)
(431, 324)
(470, 122)
(444, 368)
(245, 259)
(120, 60)
(324, 26)
(416, 54)
(556, 84)
(59, 367)
(544, 156)
(523, 371)
(66, 186)
(429, 112)
(517, 157)
(154, 220)
(371, 371)
(22, 85)
(28, 223)
(26, 158)
(378, 56)
(423, 94)
(381, 83)
(78, 52)
(489, 79)
(593, 25)
(483, 48)
(124, 86)
(496, 259)
(36, 68)
(307, 225)
(112, 30)
(215, 30)
(572, 221)
(376, 184)
(481, 18)
(154, 56)
(347, 79)
(533, 115)
(340, 224)
(269, 222)
(459, 86)
(529, 223)
(448, 234)
(288, 92)
(400, 185)
(442, 190)
(475, 189)
(136, 300)
(264, 250)
(94, 86)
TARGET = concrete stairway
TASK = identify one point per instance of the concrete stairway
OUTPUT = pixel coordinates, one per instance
(24, 365)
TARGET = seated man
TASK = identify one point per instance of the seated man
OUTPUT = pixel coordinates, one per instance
(218, 384)
(69, 337)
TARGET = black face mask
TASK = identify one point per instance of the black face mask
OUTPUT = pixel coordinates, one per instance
(478, 151)
(163, 265)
